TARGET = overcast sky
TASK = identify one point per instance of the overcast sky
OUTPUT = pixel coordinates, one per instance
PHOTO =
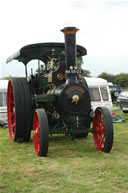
(103, 31)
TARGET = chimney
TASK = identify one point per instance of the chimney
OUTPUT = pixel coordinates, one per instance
(70, 46)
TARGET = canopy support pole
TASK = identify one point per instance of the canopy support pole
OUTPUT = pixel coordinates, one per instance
(26, 73)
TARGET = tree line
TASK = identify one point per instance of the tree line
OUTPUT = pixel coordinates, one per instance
(119, 79)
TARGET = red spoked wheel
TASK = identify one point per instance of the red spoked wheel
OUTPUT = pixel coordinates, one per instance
(11, 111)
(41, 132)
(103, 135)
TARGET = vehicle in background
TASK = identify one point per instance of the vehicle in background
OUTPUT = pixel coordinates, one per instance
(110, 83)
(122, 101)
(99, 93)
(115, 90)
(3, 99)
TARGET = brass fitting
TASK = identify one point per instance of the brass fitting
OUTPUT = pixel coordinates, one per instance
(75, 99)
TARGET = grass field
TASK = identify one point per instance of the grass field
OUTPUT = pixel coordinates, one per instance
(71, 166)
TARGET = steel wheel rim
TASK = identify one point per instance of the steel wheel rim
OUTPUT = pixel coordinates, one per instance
(99, 135)
(11, 111)
(36, 136)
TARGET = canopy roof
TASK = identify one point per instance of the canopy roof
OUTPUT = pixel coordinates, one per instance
(41, 51)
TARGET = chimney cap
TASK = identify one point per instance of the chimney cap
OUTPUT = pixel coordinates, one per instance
(70, 30)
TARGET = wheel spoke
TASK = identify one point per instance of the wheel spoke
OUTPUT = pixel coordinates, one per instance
(36, 136)
(99, 135)
(12, 99)
(11, 111)
(36, 139)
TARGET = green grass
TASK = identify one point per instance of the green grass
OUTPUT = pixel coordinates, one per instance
(71, 166)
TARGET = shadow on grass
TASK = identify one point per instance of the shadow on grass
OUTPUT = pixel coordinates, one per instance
(62, 147)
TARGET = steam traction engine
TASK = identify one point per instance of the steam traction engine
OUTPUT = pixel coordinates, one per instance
(56, 99)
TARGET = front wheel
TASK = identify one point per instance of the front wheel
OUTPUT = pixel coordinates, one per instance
(41, 132)
(103, 135)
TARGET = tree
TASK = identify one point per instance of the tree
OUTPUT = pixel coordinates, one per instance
(119, 79)
(7, 77)
(79, 62)
(108, 77)
(122, 80)
(86, 73)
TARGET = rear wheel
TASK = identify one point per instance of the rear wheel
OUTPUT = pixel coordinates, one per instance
(41, 132)
(19, 108)
(103, 136)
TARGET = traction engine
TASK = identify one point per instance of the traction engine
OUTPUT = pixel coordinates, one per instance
(56, 99)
